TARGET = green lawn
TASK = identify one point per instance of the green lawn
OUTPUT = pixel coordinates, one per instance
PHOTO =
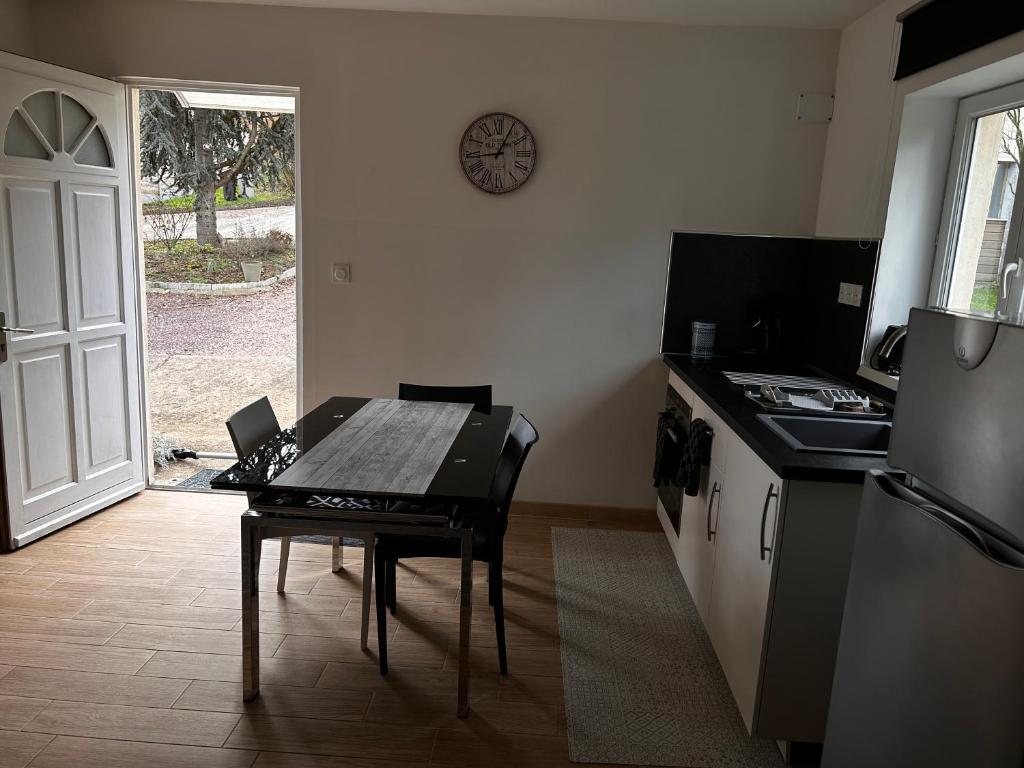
(192, 263)
(985, 297)
(259, 200)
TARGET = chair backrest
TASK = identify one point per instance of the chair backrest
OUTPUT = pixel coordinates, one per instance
(520, 440)
(252, 426)
(479, 397)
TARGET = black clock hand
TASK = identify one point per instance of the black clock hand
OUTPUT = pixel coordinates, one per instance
(501, 146)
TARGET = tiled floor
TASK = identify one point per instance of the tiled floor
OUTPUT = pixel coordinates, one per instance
(119, 647)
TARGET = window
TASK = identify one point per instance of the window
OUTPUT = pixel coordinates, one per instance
(979, 267)
(47, 123)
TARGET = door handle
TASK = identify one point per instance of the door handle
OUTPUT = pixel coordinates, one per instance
(772, 493)
(1008, 270)
(4, 330)
(711, 501)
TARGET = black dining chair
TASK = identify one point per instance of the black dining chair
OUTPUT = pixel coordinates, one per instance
(490, 522)
(477, 396)
(251, 427)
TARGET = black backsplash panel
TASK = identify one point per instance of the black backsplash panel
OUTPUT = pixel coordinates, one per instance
(790, 284)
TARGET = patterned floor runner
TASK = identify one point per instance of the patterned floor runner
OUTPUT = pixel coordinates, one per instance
(642, 683)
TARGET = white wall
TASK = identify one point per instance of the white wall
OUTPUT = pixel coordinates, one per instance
(16, 27)
(553, 293)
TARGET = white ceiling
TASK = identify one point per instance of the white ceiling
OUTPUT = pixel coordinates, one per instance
(809, 14)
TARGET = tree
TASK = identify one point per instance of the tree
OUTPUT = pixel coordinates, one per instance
(199, 151)
(1013, 138)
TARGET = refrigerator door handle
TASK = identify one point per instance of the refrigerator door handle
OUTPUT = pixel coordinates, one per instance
(965, 530)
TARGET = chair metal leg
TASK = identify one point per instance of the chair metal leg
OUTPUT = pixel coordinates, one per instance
(337, 554)
(282, 564)
(382, 613)
(364, 627)
(392, 593)
(499, 617)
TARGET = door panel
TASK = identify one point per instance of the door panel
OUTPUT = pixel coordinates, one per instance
(742, 578)
(96, 253)
(697, 540)
(70, 398)
(47, 442)
(31, 217)
(104, 397)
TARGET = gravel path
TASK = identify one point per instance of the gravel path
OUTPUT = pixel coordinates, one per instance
(209, 356)
(245, 326)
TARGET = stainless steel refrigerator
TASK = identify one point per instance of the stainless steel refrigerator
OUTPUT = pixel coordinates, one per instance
(930, 667)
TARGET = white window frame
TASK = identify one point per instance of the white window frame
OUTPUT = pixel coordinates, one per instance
(970, 109)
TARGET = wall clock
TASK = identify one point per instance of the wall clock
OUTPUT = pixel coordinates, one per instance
(498, 153)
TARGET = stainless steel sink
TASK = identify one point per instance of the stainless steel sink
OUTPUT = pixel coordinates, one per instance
(828, 435)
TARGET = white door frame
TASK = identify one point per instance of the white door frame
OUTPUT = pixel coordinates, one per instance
(136, 84)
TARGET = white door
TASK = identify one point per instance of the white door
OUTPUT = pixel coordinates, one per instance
(746, 530)
(70, 399)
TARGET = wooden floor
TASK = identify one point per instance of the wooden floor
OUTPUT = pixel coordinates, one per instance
(119, 647)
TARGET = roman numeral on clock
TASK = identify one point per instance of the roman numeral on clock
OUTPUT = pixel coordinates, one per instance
(522, 166)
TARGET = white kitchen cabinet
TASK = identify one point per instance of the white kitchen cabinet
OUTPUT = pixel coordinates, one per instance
(745, 537)
(695, 551)
(772, 603)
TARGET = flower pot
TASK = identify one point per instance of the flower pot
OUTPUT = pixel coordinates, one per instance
(252, 271)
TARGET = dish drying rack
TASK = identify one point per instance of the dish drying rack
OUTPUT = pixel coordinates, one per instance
(834, 401)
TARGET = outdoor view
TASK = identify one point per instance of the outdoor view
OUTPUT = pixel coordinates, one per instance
(987, 209)
(218, 202)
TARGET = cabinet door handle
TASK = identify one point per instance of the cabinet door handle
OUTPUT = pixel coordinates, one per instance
(772, 494)
(716, 489)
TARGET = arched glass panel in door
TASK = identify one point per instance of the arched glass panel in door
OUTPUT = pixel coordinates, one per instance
(49, 122)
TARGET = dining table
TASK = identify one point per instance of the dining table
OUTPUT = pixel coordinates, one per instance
(362, 466)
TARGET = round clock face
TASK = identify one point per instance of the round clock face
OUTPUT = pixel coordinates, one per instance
(498, 153)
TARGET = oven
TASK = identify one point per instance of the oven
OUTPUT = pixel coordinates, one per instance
(673, 428)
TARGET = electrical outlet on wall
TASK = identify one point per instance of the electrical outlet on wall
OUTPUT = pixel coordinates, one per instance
(851, 294)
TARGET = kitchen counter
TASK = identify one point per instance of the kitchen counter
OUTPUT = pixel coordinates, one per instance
(728, 401)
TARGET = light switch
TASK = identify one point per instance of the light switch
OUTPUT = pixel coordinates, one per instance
(851, 294)
(341, 273)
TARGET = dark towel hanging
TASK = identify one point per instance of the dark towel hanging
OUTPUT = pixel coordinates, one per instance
(696, 454)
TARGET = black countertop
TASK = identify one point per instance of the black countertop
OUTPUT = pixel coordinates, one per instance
(728, 401)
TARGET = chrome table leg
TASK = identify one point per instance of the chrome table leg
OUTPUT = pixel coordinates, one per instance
(465, 620)
(252, 544)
